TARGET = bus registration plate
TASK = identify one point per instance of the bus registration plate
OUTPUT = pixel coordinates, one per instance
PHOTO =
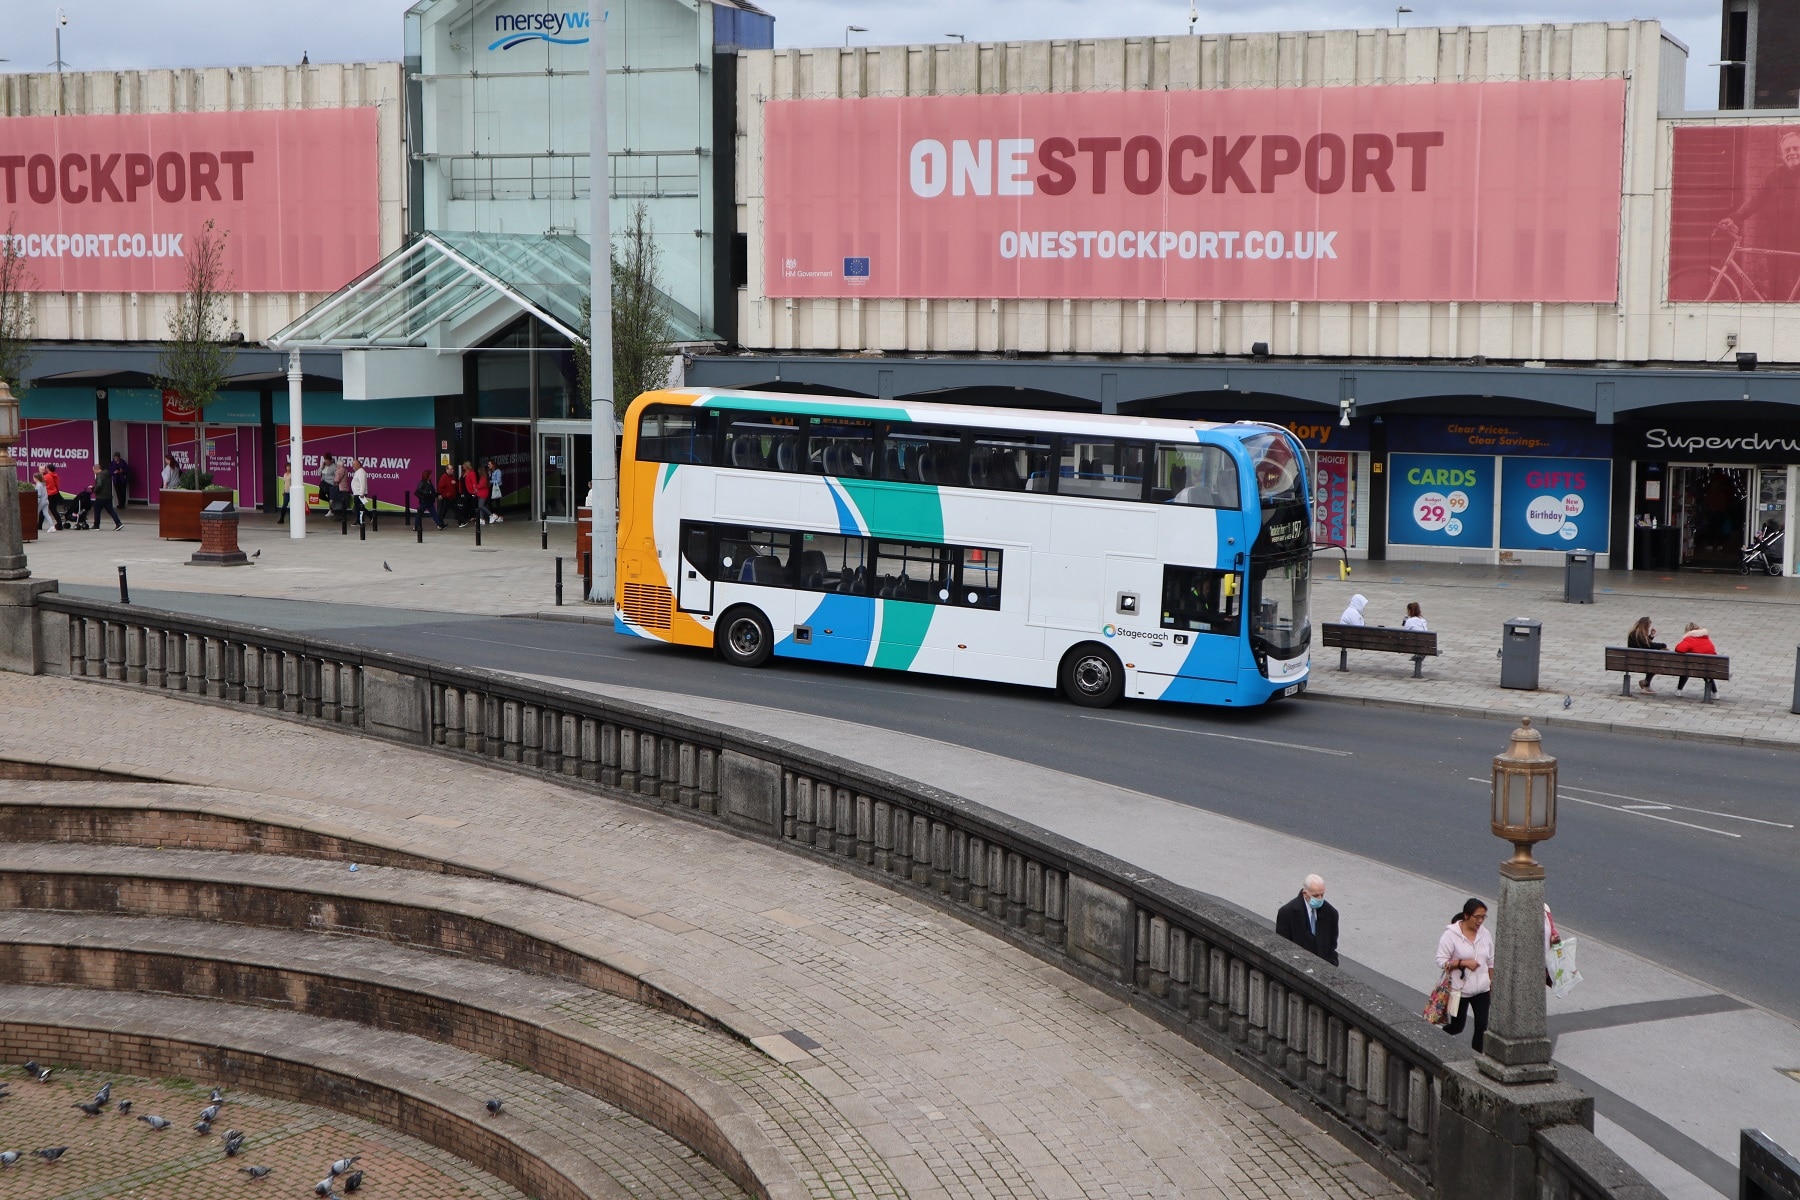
(1292, 689)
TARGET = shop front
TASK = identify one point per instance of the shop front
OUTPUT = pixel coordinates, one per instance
(1703, 488)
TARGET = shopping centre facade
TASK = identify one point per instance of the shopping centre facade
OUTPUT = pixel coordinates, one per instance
(1513, 298)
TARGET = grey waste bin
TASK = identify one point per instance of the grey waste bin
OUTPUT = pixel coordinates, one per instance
(1519, 654)
(1578, 577)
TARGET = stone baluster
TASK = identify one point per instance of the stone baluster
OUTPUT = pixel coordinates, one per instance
(628, 759)
(708, 780)
(1296, 1037)
(1377, 1119)
(214, 655)
(846, 823)
(1218, 1004)
(1265, 1025)
(996, 873)
(609, 754)
(1159, 958)
(1336, 1061)
(1418, 1115)
(1140, 958)
(589, 767)
(940, 865)
(978, 874)
(156, 657)
(1239, 1026)
(1055, 906)
(531, 722)
(797, 808)
(647, 764)
(1315, 1047)
(134, 654)
(1356, 1076)
(959, 866)
(920, 847)
(688, 776)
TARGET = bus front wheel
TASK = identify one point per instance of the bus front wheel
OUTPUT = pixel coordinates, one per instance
(1091, 676)
(744, 638)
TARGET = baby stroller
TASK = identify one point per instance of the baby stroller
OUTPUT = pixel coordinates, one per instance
(1763, 553)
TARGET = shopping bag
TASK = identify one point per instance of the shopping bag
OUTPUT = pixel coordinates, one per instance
(1560, 962)
(1437, 1006)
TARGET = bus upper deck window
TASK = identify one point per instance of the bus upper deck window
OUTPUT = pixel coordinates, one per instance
(1199, 476)
(841, 447)
(1277, 468)
(676, 435)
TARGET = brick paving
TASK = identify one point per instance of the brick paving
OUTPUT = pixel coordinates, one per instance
(965, 1066)
(1754, 620)
(119, 1156)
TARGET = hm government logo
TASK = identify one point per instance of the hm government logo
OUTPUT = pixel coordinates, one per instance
(515, 29)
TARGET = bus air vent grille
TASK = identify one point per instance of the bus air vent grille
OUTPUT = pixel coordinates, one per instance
(648, 606)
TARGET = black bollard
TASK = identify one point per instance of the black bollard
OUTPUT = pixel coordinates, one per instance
(375, 505)
(125, 587)
(587, 575)
(421, 526)
(559, 603)
(344, 521)
(478, 527)
(545, 534)
(362, 529)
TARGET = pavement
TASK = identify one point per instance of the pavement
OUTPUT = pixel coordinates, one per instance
(1678, 1066)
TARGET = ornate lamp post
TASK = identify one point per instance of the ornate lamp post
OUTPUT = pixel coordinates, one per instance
(12, 538)
(1517, 1046)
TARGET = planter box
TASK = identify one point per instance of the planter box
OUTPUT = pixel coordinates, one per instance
(28, 516)
(178, 519)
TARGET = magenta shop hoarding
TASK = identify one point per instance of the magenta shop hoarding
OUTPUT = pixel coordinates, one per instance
(394, 457)
(1455, 191)
(67, 445)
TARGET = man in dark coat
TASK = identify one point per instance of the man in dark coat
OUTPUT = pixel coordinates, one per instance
(1307, 920)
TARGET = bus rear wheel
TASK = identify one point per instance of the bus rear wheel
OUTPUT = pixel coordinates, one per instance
(744, 638)
(1091, 676)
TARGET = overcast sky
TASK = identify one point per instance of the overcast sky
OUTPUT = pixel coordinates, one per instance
(116, 34)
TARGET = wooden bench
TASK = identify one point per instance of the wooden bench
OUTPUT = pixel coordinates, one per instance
(1346, 638)
(1632, 661)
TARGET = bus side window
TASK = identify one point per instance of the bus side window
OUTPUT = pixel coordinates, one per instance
(1105, 469)
(912, 571)
(923, 454)
(1011, 462)
(754, 442)
(978, 579)
(676, 435)
(844, 448)
(1199, 476)
(1196, 599)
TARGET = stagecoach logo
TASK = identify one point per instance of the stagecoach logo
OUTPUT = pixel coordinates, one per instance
(1115, 631)
(515, 29)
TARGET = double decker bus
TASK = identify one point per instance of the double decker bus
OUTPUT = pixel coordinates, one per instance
(1106, 556)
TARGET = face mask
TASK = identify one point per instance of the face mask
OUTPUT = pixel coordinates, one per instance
(1316, 901)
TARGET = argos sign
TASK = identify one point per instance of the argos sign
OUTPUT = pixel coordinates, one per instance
(1555, 504)
(113, 203)
(1425, 192)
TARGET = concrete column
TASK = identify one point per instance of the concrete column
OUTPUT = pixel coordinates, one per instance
(1517, 1046)
(296, 377)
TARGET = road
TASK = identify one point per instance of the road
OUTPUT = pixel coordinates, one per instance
(1683, 852)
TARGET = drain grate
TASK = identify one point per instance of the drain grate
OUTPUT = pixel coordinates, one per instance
(799, 1039)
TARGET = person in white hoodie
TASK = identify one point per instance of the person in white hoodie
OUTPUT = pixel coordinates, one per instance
(359, 488)
(1465, 952)
(1354, 614)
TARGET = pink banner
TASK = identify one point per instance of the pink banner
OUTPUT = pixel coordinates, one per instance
(113, 203)
(67, 445)
(1734, 214)
(1476, 191)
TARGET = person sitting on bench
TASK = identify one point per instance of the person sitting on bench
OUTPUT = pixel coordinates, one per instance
(1643, 637)
(1696, 641)
(1353, 615)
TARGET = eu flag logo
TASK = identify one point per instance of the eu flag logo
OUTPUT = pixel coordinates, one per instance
(856, 268)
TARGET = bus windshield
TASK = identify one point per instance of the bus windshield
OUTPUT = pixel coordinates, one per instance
(1280, 623)
(1277, 468)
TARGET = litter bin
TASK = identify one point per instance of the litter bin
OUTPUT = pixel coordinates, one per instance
(1519, 654)
(1578, 577)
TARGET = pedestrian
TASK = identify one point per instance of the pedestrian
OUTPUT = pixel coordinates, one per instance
(287, 491)
(1353, 615)
(103, 498)
(359, 487)
(446, 490)
(1309, 922)
(1643, 637)
(494, 492)
(1415, 618)
(328, 473)
(1695, 640)
(171, 474)
(120, 471)
(475, 492)
(46, 518)
(53, 492)
(427, 495)
(1466, 951)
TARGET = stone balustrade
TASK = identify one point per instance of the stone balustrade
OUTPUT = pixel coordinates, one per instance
(1366, 1069)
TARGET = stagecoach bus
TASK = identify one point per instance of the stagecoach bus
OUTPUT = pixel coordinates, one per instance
(1107, 556)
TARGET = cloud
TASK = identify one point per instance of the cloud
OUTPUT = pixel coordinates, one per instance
(135, 34)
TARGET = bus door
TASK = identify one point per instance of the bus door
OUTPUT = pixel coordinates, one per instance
(695, 589)
(1200, 612)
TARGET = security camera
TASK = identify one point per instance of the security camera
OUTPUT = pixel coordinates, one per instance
(1346, 410)
(62, 18)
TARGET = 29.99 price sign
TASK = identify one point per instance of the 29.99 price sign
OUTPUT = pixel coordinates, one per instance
(1441, 500)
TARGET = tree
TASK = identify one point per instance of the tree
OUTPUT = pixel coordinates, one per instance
(641, 326)
(197, 359)
(16, 285)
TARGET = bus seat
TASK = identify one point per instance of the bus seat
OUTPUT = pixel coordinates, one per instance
(1006, 475)
(928, 467)
(784, 455)
(1037, 483)
(915, 467)
(764, 568)
(812, 570)
(893, 463)
(744, 453)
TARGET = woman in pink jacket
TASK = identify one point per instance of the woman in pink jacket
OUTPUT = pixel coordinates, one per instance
(1466, 951)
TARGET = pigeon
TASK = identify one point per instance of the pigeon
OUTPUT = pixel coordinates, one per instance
(253, 1172)
(217, 1097)
(209, 1112)
(8, 1158)
(323, 1187)
(155, 1122)
(232, 1146)
(352, 1181)
(256, 554)
(31, 1067)
(494, 1107)
(343, 1164)
(103, 1095)
(202, 1127)
(387, 568)
(234, 1135)
(51, 1154)
(124, 1107)
(1568, 700)
(91, 1109)
(43, 1075)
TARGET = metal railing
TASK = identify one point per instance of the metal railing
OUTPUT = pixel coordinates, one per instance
(1368, 1069)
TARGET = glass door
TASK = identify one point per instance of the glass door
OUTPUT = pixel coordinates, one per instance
(555, 473)
(1714, 507)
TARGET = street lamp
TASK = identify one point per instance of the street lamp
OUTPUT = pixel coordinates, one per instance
(1517, 1046)
(12, 536)
(959, 37)
(1397, 11)
(850, 29)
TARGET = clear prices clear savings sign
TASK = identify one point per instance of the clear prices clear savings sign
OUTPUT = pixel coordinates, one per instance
(1474, 191)
(113, 203)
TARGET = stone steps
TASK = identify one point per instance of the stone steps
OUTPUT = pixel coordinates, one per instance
(552, 1141)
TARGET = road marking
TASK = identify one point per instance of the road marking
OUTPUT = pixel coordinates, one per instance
(1230, 737)
(1683, 807)
(557, 650)
(1632, 810)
